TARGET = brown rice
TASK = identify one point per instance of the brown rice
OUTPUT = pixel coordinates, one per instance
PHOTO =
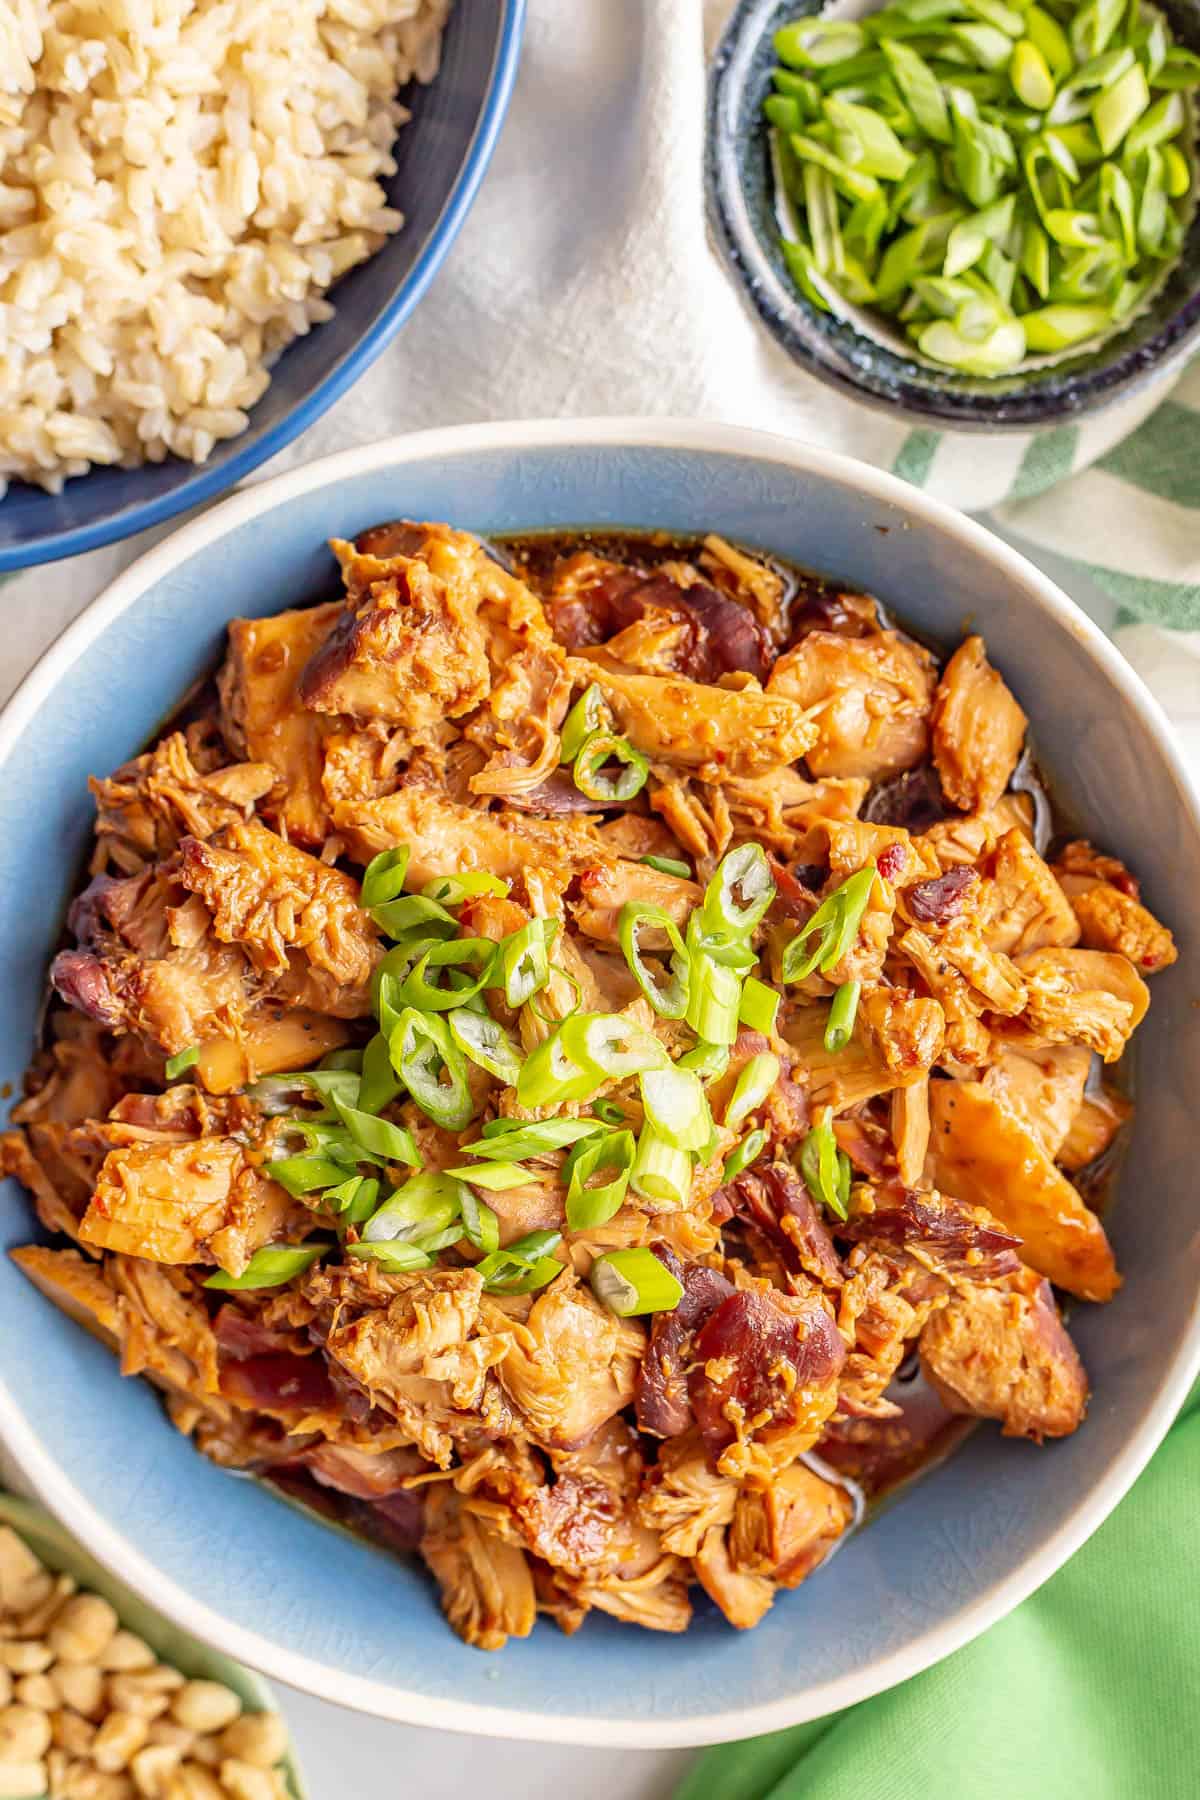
(181, 181)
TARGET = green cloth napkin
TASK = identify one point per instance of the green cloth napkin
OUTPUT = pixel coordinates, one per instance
(1089, 1689)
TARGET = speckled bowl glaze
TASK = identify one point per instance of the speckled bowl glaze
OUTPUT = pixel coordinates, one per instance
(274, 1588)
(441, 157)
(57, 1549)
(1145, 357)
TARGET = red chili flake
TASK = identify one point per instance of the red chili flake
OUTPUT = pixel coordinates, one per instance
(891, 860)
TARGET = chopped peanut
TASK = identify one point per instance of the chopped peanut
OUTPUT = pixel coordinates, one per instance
(258, 1738)
(117, 1739)
(40, 1691)
(26, 1659)
(71, 1732)
(81, 1687)
(83, 1628)
(152, 1769)
(24, 1734)
(242, 1781)
(19, 1780)
(124, 1652)
(205, 1706)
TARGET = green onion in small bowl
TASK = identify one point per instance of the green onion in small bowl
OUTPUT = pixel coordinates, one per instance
(976, 211)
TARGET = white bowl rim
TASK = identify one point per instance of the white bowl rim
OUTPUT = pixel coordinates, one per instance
(382, 1699)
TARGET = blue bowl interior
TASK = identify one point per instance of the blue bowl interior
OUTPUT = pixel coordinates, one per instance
(741, 205)
(441, 156)
(943, 1545)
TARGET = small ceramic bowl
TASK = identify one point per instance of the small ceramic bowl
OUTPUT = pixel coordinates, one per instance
(742, 213)
(441, 156)
(57, 1549)
(324, 1611)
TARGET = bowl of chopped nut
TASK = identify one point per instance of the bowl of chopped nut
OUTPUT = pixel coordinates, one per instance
(100, 1697)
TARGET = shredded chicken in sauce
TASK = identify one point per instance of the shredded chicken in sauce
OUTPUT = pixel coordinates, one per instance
(718, 1055)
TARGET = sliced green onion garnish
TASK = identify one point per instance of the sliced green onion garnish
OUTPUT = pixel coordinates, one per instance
(515, 1139)
(669, 865)
(589, 714)
(708, 1060)
(825, 1168)
(396, 1257)
(417, 989)
(302, 1175)
(270, 1267)
(383, 878)
(480, 1225)
(594, 1203)
(676, 1106)
(920, 144)
(834, 926)
(741, 890)
(842, 1013)
(426, 1204)
(432, 1068)
(591, 776)
(486, 1043)
(276, 1094)
(732, 949)
(630, 1282)
(522, 1267)
(452, 890)
(743, 1154)
(337, 1199)
(609, 1111)
(354, 1200)
(669, 998)
(714, 999)
(333, 1085)
(550, 1076)
(661, 1172)
(523, 960)
(611, 1046)
(186, 1059)
(379, 1084)
(755, 1081)
(391, 972)
(414, 913)
(816, 43)
(494, 1175)
(379, 1137)
(759, 1006)
(333, 1142)
(549, 995)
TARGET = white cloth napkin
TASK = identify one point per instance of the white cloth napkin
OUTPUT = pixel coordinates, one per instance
(584, 282)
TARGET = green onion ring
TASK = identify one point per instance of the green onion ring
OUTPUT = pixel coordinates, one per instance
(670, 1000)
(602, 747)
(422, 1052)
(744, 1153)
(383, 878)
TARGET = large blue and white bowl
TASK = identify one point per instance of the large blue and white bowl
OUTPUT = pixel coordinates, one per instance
(270, 1587)
(441, 157)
